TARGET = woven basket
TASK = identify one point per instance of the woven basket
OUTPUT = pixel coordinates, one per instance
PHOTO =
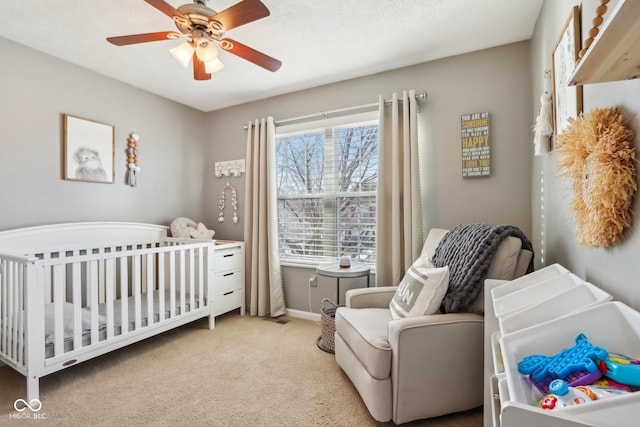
(328, 322)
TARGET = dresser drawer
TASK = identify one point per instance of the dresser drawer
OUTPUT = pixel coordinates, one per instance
(227, 301)
(226, 282)
(231, 260)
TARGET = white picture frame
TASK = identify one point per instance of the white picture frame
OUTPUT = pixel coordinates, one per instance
(88, 150)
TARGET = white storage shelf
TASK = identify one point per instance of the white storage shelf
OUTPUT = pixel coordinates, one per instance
(228, 271)
(545, 328)
(615, 52)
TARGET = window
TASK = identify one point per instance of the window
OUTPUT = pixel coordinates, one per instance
(327, 180)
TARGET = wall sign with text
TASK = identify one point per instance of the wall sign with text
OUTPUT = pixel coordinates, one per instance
(476, 154)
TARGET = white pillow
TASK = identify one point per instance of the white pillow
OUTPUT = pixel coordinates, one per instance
(421, 290)
(201, 232)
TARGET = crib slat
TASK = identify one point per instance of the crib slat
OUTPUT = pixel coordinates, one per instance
(124, 292)
(15, 309)
(4, 284)
(109, 294)
(101, 276)
(76, 277)
(9, 311)
(58, 277)
(201, 267)
(93, 284)
(172, 284)
(136, 292)
(21, 319)
(182, 280)
(149, 286)
(192, 278)
(161, 287)
(48, 295)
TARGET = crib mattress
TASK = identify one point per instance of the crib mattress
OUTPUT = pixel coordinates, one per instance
(117, 314)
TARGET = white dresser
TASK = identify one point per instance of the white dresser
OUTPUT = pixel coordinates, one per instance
(228, 280)
(542, 315)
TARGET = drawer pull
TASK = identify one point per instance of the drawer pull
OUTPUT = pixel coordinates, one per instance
(228, 293)
(228, 274)
(227, 255)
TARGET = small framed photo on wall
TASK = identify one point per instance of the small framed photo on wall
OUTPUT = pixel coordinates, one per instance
(88, 150)
(567, 100)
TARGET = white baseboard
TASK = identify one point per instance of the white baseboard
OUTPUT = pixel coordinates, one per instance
(303, 315)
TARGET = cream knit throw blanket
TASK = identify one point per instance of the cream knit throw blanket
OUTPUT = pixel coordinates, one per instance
(468, 250)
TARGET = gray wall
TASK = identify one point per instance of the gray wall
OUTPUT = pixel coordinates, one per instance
(37, 90)
(178, 180)
(496, 80)
(615, 269)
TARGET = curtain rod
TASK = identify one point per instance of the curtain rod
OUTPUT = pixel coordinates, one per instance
(326, 114)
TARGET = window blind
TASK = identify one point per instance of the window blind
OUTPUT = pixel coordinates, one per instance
(327, 180)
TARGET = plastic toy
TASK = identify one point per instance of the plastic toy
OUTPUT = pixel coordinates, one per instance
(622, 369)
(577, 364)
(562, 395)
(605, 382)
(574, 379)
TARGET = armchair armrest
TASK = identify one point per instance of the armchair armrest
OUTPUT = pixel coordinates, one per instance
(437, 364)
(370, 297)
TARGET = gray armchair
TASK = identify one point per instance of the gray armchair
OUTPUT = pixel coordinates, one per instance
(418, 367)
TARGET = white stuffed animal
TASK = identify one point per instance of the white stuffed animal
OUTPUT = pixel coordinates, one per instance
(201, 232)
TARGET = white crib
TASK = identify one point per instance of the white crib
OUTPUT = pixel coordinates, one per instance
(71, 292)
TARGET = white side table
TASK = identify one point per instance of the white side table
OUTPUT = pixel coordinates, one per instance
(333, 269)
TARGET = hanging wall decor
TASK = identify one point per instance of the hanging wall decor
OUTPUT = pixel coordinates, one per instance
(543, 129)
(229, 168)
(597, 153)
(234, 203)
(88, 150)
(567, 100)
(132, 159)
(593, 32)
(476, 153)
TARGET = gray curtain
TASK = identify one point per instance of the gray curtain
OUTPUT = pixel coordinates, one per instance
(399, 235)
(263, 279)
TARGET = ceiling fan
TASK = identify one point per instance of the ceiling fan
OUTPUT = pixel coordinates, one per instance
(205, 28)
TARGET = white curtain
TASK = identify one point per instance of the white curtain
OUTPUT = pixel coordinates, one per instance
(263, 277)
(399, 236)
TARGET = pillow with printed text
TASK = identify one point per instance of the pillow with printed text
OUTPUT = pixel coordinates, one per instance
(421, 290)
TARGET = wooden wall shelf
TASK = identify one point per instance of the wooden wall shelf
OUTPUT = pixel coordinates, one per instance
(615, 52)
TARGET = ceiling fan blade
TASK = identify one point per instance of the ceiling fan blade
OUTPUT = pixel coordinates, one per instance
(199, 71)
(142, 38)
(251, 55)
(241, 13)
(165, 8)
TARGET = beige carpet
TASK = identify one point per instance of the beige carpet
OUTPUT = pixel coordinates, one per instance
(246, 372)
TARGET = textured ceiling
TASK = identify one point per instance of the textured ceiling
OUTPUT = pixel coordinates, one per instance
(319, 42)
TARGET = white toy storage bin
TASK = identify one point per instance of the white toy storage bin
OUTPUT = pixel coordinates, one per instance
(533, 278)
(611, 325)
(579, 297)
(534, 294)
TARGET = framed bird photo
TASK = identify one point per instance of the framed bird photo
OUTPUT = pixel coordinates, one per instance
(88, 150)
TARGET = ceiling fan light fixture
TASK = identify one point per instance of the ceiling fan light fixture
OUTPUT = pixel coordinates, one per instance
(206, 51)
(183, 53)
(213, 66)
